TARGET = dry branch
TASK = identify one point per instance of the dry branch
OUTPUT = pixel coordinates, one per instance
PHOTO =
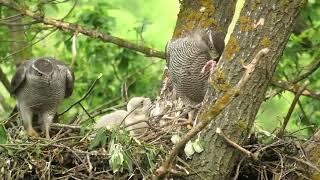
(314, 66)
(294, 88)
(83, 97)
(235, 145)
(290, 111)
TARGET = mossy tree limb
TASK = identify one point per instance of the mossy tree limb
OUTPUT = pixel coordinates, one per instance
(202, 14)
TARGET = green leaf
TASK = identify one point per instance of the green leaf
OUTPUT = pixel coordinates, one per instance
(151, 155)
(3, 134)
(188, 150)
(99, 139)
(117, 158)
(197, 146)
(128, 163)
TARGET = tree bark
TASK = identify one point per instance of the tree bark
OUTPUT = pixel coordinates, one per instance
(312, 151)
(262, 24)
(204, 13)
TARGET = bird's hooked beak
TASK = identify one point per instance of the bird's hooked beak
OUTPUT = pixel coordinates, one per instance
(49, 77)
(214, 55)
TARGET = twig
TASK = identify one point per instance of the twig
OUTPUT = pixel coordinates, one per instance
(83, 97)
(71, 9)
(235, 145)
(65, 126)
(69, 27)
(11, 17)
(88, 114)
(102, 106)
(281, 164)
(102, 111)
(290, 111)
(315, 65)
(305, 120)
(238, 169)
(29, 45)
(89, 165)
(307, 127)
(294, 88)
(215, 110)
(304, 162)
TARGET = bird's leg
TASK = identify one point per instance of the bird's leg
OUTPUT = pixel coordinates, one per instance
(26, 116)
(191, 115)
(47, 118)
(209, 66)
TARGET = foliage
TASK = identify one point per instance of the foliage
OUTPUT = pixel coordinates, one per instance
(302, 51)
(125, 152)
(3, 134)
(123, 70)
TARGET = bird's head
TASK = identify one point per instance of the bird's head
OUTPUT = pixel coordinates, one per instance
(41, 69)
(211, 42)
(140, 104)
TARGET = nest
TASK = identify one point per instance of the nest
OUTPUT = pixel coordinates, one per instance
(280, 159)
(76, 152)
(80, 152)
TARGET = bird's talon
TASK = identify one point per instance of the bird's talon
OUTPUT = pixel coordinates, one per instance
(208, 66)
(32, 133)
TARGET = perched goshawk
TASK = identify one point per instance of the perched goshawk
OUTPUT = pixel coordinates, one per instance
(189, 60)
(39, 86)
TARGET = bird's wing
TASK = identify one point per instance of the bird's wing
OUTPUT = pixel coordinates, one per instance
(19, 77)
(69, 82)
(69, 75)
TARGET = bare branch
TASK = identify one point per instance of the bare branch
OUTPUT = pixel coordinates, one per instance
(314, 66)
(235, 145)
(294, 88)
(29, 45)
(75, 28)
(84, 96)
(290, 111)
(67, 126)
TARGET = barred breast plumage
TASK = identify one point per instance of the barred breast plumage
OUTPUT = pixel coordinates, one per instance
(185, 59)
(39, 86)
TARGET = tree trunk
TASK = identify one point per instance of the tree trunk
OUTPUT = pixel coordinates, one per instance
(312, 151)
(204, 13)
(262, 24)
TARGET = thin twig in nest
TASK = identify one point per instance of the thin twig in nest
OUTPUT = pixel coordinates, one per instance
(84, 96)
(235, 145)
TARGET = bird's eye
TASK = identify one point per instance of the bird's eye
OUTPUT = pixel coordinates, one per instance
(141, 103)
(211, 47)
(39, 74)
